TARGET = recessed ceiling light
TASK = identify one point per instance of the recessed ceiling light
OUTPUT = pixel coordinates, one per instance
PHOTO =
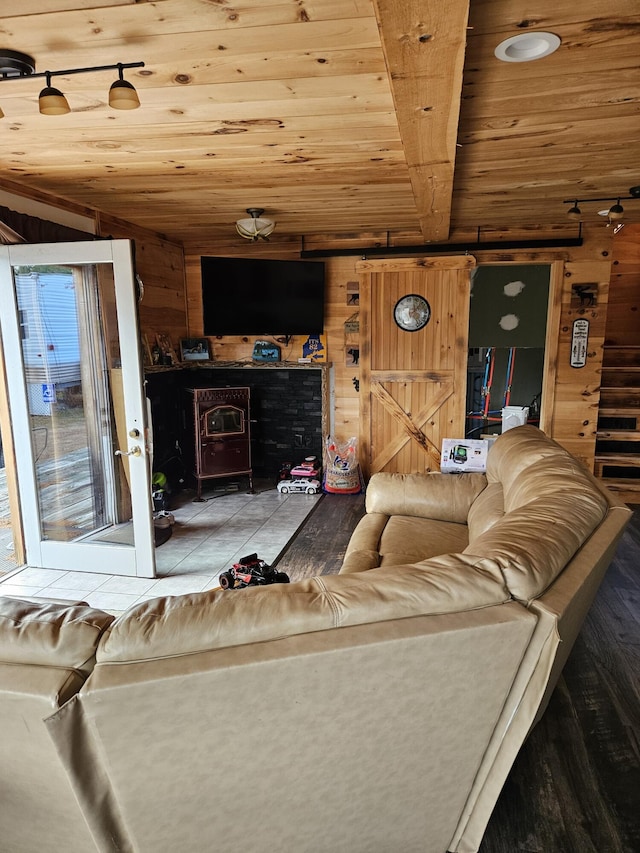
(527, 46)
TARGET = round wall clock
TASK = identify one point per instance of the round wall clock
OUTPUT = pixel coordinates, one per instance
(412, 312)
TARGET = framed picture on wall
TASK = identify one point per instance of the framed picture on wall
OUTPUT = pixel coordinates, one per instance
(194, 349)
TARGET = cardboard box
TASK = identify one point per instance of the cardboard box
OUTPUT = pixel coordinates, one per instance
(464, 454)
(513, 416)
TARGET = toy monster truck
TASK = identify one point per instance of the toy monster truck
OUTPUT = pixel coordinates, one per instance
(251, 571)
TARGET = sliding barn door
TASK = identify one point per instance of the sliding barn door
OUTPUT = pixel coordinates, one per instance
(412, 382)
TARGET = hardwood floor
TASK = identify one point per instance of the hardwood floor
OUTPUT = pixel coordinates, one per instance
(318, 548)
(575, 786)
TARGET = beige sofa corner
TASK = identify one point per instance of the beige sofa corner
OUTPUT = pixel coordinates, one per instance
(375, 710)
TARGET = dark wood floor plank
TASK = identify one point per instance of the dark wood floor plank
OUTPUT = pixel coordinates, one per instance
(318, 548)
(575, 786)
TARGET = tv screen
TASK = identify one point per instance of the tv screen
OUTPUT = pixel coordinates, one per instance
(254, 296)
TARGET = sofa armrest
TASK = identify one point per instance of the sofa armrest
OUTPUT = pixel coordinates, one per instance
(443, 497)
(360, 555)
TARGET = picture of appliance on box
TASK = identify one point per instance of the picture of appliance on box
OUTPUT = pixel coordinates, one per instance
(464, 454)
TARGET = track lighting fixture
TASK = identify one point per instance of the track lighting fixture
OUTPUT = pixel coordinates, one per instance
(614, 213)
(255, 228)
(51, 101)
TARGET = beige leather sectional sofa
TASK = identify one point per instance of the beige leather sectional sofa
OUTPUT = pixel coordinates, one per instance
(374, 711)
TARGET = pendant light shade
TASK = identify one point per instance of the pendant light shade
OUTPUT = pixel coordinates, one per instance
(51, 102)
(122, 94)
(255, 228)
(616, 211)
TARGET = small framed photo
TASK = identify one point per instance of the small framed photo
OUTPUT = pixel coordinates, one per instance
(353, 293)
(147, 355)
(167, 353)
(194, 349)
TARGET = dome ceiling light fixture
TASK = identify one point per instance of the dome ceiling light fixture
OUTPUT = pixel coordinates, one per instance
(51, 101)
(255, 228)
(525, 47)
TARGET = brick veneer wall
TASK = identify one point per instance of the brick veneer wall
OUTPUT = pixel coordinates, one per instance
(286, 412)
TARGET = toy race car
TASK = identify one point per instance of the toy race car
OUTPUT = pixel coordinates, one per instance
(309, 487)
(251, 571)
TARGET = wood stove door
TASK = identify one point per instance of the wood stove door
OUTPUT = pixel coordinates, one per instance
(224, 456)
(224, 441)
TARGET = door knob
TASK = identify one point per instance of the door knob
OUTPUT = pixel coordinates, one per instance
(135, 451)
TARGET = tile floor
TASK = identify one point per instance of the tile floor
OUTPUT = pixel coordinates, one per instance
(207, 538)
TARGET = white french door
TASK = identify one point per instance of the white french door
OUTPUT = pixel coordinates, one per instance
(78, 411)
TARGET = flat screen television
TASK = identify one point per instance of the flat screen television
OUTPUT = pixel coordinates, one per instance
(256, 296)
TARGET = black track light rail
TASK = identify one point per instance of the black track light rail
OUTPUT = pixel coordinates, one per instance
(606, 198)
(118, 66)
(433, 248)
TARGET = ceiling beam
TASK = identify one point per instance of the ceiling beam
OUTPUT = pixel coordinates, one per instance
(424, 46)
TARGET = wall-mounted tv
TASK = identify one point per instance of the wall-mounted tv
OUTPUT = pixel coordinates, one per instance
(256, 296)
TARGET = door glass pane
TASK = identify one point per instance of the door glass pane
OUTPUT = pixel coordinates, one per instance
(224, 420)
(72, 373)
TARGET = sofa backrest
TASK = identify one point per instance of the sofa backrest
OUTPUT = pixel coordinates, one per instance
(424, 495)
(47, 651)
(540, 507)
(350, 740)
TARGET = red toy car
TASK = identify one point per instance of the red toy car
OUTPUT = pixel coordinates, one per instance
(251, 571)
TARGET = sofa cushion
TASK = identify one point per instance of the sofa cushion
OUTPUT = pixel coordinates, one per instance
(60, 635)
(443, 497)
(551, 506)
(407, 539)
(520, 462)
(486, 510)
(533, 544)
(380, 540)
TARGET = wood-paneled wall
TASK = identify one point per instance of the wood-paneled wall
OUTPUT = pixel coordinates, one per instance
(339, 272)
(160, 265)
(623, 315)
(577, 390)
(575, 393)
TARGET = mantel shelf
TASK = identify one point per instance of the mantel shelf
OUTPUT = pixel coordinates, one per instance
(213, 365)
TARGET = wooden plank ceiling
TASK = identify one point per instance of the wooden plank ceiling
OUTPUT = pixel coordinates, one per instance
(340, 118)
